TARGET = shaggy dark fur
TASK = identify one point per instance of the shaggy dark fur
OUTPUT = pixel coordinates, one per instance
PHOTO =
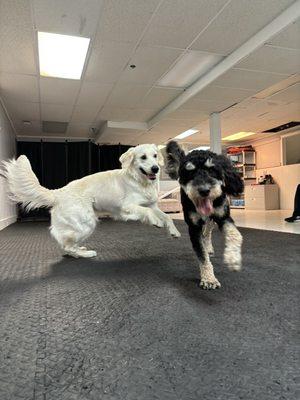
(206, 180)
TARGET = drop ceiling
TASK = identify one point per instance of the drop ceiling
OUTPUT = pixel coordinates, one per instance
(152, 35)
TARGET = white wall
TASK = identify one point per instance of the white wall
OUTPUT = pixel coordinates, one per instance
(287, 178)
(8, 213)
(268, 152)
(268, 161)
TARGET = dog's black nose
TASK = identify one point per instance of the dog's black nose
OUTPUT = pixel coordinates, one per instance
(204, 193)
(154, 169)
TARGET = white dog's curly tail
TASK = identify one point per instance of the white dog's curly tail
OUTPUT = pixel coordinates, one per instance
(23, 185)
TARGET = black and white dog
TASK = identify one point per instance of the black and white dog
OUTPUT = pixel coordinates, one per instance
(206, 180)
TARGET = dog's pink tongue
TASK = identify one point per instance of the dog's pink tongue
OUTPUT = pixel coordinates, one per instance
(204, 206)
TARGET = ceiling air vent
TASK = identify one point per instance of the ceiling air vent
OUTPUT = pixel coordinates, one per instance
(283, 127)
(54, 127)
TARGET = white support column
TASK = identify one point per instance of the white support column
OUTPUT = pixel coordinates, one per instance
(215, 132)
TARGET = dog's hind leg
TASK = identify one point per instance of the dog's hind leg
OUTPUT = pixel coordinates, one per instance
(68, 241)
(233, 245)
(70, 230)
(207, 276)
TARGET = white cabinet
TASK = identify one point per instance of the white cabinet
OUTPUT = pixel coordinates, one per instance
(261, 197)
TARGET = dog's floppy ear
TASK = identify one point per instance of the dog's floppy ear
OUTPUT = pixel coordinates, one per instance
(127, 158)
(173, 155)
(233, 184)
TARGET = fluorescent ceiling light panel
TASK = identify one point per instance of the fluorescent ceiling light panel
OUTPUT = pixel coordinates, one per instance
(201, 148)
(185, 134)
(62, 56)
(189, 68)
(238, 136)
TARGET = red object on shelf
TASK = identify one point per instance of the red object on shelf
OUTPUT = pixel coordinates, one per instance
(239, 149)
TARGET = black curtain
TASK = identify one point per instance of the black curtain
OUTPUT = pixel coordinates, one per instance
(109, 156)
(58, 163)
(78, 160)
(95, 158)
(54, 165)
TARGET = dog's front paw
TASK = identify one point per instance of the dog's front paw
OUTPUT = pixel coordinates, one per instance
(155, 221)
(174, 232)
(87, 253)
(233, 260)
(209, 284)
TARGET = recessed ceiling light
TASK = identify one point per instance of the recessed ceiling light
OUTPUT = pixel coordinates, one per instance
(239, 135)
(189, 68)
(62, 56)
(185, 134)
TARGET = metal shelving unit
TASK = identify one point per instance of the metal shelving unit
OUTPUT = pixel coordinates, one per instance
(245, 164)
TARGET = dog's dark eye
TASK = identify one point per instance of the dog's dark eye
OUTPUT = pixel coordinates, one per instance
(155, 156)
(144, 157)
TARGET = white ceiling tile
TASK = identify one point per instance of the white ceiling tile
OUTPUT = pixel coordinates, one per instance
(107, 60)
(92, 93)
(120, 137)
(79, 130)
(196, 105)
(23, 111)
(189, 114)
(240, 20)
(151, 63)
(156, 137)
(173, 127)
(56, 112)
(273, 59)
(178, 22)
(126, 114)
(34, 129)
(218, 94)
(168, 129)
(16, 37)
(160, 97)
(124, 21)
(17, 87)
(85, 113)
(289, 37)
(69, 17)
(291, 94)
(58, 91)
(127, 95)
(251, 80)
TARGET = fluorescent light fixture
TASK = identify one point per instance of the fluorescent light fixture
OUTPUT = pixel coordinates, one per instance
(201, 148)
(238, 136)
(189, 68)
(62, 56)
(185, 134)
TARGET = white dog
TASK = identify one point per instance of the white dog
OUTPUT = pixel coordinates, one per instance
(130, 193)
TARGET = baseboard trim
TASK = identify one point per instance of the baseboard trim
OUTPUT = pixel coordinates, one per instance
(7, 221)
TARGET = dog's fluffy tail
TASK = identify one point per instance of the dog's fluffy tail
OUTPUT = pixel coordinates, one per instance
(23, 185)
